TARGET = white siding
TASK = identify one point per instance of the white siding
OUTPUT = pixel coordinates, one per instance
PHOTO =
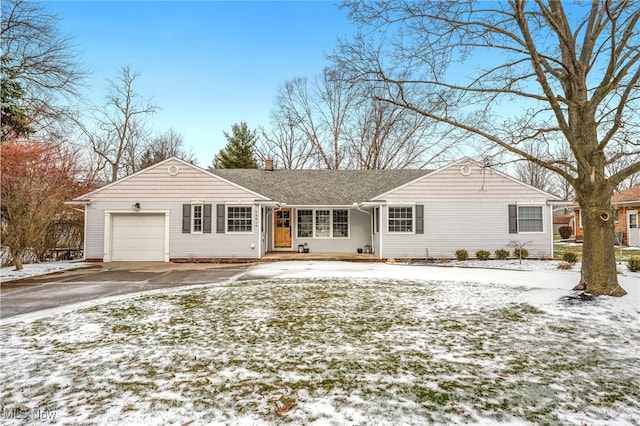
(465, 212)
(482, 184)
(359, 236)
(155, 189)
(156, 184)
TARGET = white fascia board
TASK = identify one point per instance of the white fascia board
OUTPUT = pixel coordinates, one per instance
(478, 164)
(163, 162)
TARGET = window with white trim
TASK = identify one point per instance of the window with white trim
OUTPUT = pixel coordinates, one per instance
(340, 224)
(530, 219)
(305, 223)
(323, 223)
(239, 219)
(400, 219)
(196, 218)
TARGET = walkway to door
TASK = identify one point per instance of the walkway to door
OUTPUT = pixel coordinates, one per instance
(276, 256)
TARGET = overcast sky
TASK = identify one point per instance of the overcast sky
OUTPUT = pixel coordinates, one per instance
(207, 64)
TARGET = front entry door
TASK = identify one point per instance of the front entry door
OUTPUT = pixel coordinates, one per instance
(282, 219)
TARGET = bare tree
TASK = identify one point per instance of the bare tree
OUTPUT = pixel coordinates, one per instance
(562, 187)
(338, 123)
(39, 66)
(532, 173)
(385, 136)
(518, 71)
(163, 146)
(119, 127)
(318, 111)
(285, 144)
(624, 162)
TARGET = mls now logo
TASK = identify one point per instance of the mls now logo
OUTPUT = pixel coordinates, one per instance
(26, 413)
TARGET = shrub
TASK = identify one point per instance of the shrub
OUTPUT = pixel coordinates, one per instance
(462, 254)
(502, 254)
(520, 252)
(565, 232)
(634, 264)
(564, 265)
(570, 257)
(483, 254)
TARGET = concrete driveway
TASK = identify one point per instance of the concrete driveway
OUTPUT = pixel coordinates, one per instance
(105, 280)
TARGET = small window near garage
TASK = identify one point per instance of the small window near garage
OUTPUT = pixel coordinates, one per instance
(305, 223)
(239, 219)
(530, 219)
(196, 218)
(401, 219)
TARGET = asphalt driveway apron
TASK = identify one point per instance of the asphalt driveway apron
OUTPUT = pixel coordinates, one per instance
(105, 280)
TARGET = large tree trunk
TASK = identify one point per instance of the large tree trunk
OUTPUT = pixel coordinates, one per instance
(599, 273)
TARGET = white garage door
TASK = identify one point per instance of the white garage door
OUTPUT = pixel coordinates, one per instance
(137, 237)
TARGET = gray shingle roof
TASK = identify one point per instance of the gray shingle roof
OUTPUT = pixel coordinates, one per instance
(319, 187)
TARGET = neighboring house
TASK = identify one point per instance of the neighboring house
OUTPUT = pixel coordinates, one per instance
(175, 211)
(626, 206)
(562, 220)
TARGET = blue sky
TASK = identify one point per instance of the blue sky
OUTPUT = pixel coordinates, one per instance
(206, 64)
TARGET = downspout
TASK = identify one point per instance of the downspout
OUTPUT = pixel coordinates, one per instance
(84, 234)
(550, 229)
(381, 231)
(277, 206)
(371, 229)
(259, 232)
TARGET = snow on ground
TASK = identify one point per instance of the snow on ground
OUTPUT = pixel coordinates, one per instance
(9, 273)
(337, 343)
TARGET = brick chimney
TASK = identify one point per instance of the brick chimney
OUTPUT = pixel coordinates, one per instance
(268, 164)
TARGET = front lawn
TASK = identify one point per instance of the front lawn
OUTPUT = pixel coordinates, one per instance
(622, 253)
(331, 351)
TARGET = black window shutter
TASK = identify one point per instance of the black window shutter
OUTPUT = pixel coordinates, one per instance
(220, 218)
(186, 218)
(206, 228)
(513, 219)
(419, 219)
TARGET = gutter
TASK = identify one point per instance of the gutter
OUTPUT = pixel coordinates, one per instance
(626, 203)
(84, 202)
(371, 203)
(264, 203)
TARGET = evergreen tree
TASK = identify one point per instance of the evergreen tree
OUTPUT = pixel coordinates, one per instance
(238, 153)
(14, 122)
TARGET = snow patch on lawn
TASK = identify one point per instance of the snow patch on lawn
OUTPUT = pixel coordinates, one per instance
(338, 343)
(9, 273)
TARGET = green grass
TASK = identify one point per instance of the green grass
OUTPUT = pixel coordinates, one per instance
(350, 352)
(559, 249)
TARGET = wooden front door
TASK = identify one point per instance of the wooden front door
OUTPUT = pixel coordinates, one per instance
(282, 225)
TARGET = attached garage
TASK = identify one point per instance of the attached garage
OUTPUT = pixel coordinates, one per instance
(138, 237)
